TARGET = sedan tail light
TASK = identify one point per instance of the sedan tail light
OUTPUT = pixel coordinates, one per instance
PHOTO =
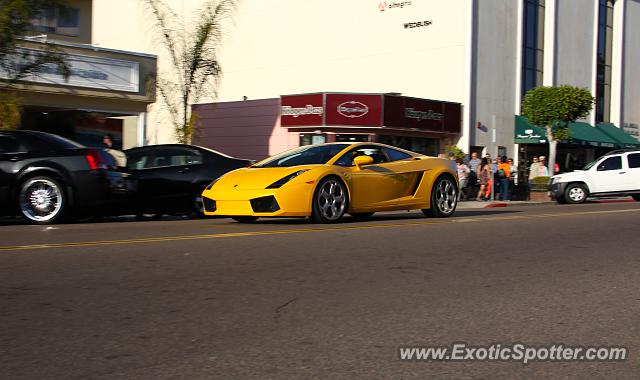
(95, 160)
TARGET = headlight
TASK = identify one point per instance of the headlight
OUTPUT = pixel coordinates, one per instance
(277, 184)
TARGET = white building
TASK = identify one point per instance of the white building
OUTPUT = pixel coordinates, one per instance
(484, 54)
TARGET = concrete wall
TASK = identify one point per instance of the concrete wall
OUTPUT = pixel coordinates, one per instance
(575, 37)
(247, 129)
(495, 72)
(631, 56)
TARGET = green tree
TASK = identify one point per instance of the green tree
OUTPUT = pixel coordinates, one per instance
(552, 108)
(10, 110)
(193, 52)
(15, 24)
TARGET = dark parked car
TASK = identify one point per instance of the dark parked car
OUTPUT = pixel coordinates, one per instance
(46, 178)
(171, 177)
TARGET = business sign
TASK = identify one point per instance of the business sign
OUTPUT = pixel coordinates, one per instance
(85, 71)
(384, 6)
(301, 110)
(422, 114)
(370, 110)
(354, 109)
(632, 129)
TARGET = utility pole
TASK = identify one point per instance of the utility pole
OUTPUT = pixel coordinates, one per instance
(493, 145)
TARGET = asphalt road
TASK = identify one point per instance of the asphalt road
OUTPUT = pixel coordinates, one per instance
(214, 299)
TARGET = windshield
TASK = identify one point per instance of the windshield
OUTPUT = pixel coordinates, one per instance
(306, 155)
(590, 164)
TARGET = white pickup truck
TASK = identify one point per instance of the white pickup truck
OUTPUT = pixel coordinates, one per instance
(615, 174)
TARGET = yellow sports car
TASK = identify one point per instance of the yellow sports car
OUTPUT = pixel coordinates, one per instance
(328, 180)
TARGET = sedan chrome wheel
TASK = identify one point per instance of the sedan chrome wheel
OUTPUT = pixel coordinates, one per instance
(41, 200)
(330, 201)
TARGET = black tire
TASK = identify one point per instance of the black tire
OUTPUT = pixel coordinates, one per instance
(444, 198)
(575, 193)
(245, 219)
(362, 215)
(43, 200)
(636, 197)
(330, 201)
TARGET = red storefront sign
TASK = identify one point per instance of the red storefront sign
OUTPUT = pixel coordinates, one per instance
(422, 114)
(302, 110)
(354, 109)
(370, 110)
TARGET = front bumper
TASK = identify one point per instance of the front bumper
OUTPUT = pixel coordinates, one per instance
(556, 190)
(286, 201)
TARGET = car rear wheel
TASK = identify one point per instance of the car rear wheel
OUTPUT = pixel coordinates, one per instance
(444, 198)
(42, 200)
(575, 193)
(329, 201)
(245, 219)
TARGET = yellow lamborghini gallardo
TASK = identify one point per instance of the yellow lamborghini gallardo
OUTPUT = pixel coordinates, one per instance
(328, 180)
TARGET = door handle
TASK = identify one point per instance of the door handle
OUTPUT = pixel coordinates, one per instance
(14, 158)
(185, 170)
(622, 173)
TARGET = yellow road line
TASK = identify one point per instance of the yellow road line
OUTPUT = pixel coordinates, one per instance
(341, 227)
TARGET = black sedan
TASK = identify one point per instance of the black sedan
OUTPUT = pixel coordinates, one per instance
(171, 177)
(46, 178)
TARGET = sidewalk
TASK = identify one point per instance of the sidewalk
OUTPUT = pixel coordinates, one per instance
(466, 205)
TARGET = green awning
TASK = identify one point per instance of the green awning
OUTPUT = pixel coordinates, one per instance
(527, 133)
(624, 139)
(585, 134)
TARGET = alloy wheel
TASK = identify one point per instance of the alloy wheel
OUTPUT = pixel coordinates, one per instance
(41, 200)
(331, 200)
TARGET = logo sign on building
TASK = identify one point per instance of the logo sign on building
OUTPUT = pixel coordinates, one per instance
(85, 71)
(422, 114)
(632, 129)
(301, 110)
(387, 5)
(354, 109)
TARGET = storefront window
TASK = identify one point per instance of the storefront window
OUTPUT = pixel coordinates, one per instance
(352, 138)
(430, 147)
(312, 139)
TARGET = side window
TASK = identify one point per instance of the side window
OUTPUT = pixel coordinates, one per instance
(634, 160)
(9, 144)
(611, 163)
(395, 155)
(175, 157)
(374, 152)
(138, 160)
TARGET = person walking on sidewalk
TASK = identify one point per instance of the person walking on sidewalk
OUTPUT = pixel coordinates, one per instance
(484, 174)
(504, 176)
(463, 178)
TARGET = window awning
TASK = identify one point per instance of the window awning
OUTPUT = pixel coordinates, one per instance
(584, 134)
(527, 133)
(623, 139)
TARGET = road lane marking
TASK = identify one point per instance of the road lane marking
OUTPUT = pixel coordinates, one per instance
(340, 227)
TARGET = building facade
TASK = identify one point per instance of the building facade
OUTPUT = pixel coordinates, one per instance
(483, 54)
(107, 92)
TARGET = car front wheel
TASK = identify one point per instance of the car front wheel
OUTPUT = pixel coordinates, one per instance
(575, 193)
(42, 200)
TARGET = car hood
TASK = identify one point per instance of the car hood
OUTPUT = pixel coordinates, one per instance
(256, 178)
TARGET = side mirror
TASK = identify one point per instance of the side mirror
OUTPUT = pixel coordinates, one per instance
(362, 160)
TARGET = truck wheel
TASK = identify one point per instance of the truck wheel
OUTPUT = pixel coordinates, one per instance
(575, 193)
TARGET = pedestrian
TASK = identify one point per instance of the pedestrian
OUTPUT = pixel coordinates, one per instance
(474, 164)
(533, 169)
(484, 174)
(504, 175)
(463, 177)
(107, 140)
(543, 171)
